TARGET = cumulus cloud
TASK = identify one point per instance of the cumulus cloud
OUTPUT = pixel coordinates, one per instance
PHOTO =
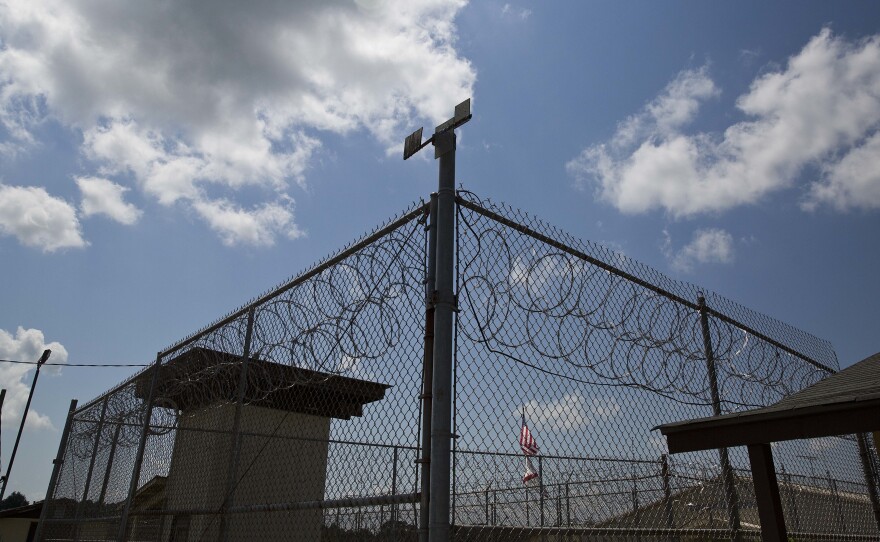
(254, 227)
(25, 345)
(851, 182)
(38, 220)
(191, 101)
(821, 110)
(710, 245)
(104, 197)
(571, 411)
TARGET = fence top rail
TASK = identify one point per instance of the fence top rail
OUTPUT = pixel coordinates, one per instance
(479, 208)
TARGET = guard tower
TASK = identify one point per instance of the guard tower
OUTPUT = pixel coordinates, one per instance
(285, 426)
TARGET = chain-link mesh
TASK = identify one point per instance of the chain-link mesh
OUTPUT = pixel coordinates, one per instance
(296, 417)
(591, 350)
(299, 416)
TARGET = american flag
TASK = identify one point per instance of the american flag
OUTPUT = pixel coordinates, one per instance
(526, 441)
(531, 472)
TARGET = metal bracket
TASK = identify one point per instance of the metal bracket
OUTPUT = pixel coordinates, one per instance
(434, 298)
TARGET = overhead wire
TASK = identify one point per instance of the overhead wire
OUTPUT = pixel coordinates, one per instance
(75, 364)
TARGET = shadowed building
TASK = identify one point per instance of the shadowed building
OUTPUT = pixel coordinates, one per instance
(847, 402)
(280, 459)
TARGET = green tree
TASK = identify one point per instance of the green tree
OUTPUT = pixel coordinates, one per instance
(14, 500)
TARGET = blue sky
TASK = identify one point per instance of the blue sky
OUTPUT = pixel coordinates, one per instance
(162, 164)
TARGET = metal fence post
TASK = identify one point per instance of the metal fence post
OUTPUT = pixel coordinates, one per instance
(667, 493)
(558, 506)
(428, 370)
(88, 484)
(394, 490)
(528, 509)
(441, 415)
(110, 457)
(832, 485)
(495, 507)
(56, 470)
(234, 457)
(636, 510)
(568, 503)
(792, 503)
(486, 504)
(541, 488)
(870, 476)
(139, 457)
(727, 477)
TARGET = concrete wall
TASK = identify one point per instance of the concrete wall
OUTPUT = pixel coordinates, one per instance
(15, 529)
(288, 467)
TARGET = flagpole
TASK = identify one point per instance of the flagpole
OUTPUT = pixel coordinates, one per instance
(541, 487)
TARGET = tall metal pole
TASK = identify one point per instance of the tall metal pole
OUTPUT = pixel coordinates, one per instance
(667, 494)
(444, 306)
(541, 488)
(726, 470)
(870, 476)
(27, 406)
(428, 370)
(56, 470)
(394, 505)
(139, 456)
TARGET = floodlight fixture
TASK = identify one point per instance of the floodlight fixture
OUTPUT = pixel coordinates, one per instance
(414, 143)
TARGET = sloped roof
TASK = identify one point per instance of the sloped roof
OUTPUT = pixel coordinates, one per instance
(844, 403)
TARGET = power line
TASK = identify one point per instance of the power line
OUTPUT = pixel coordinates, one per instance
(76, 364)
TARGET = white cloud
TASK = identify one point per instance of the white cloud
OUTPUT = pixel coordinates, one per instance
(25, 345)
(571, 411)
(851, 182)
(822, 110)
(189, 98)
(38, 220)
(253, 227)
(542, 275)
(104, 197)
(710, 245)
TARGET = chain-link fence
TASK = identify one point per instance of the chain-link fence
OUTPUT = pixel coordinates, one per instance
(591, 350)
(300, 415)
(295, 417)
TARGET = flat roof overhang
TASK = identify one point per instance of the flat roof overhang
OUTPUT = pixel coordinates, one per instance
(773, 425)
(201, 377)
(845, 403)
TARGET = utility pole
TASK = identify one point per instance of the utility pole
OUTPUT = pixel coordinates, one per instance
(444, 302)
(2, 397)
(27, 406)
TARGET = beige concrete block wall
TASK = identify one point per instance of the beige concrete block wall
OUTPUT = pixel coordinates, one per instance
(289, 466)
(14, 529)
